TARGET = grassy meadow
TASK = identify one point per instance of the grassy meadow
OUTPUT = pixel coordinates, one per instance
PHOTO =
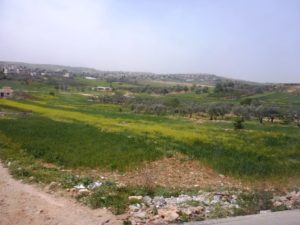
(67, 129)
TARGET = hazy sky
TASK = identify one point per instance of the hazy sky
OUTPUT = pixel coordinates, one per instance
(255, 40)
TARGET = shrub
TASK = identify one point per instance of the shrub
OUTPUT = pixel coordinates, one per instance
(238, 123)
(109, 196)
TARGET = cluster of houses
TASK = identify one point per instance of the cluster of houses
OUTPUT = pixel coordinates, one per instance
(18, 71)
(100, 88)
(6, 92)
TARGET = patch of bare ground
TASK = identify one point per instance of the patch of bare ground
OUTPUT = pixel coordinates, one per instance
(25, 95)
(175, 171)
(179, 171)
(294, 89)
(23, 204)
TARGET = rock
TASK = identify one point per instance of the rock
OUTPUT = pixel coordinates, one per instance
(135, 197)
(198, 198)
(147, 200)
(73, 190)
(186, 211)
(198, 210)
(168, 214)
(141, 215)
(84, 190)
(159, 201)
(105, 222)
(277, 203)
(53, 185)
(222, 176)
(134, 208)
(120, 185)
(264, 211)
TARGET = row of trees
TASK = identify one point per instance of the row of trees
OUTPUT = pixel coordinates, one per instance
(240, 88)
(156, 90)
(214, 111)
(219, 111)
(165, 90)
(260, 112)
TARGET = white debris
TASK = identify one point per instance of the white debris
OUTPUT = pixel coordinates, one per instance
(80, 186)
(94, 185)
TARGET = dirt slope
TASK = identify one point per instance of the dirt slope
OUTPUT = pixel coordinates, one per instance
(22, 204)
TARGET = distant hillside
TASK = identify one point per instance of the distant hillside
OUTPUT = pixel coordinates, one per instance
(50, 67)
(200, 78)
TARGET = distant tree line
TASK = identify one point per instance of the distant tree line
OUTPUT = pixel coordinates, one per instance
(235, 88)
(247, 109)
(165, 90)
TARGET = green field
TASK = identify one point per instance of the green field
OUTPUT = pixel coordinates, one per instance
(71, 131)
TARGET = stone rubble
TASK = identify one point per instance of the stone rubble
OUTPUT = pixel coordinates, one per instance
(289, 201)
(160, 210)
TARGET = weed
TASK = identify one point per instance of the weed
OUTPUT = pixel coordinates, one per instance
(183, 217)
(219, 212)
(193, 203)
(109, 196)
(279, 208)
(127, 222)
(249, 204)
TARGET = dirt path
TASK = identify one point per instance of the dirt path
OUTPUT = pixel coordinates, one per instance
(23, 204)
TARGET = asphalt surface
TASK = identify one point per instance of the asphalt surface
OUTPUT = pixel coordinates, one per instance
(290, 217)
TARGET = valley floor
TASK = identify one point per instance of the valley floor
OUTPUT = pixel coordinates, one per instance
(22, 204)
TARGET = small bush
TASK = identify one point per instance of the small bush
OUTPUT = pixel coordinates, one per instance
(69, 180)
(127, 222)
(193, 203)
(238, 123)
(296, 205)
(279, 208)
(219, 212)
(265, 200)
(183, 217)
(109, 196)
(249, 204)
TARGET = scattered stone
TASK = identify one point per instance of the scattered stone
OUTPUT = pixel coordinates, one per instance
(84, 190)
(264, 211)
(141, 215)
(147, 200)
(168, 214)
(135, 197)
(289, 201)
(134, 208)
(159, 201)
(53, 185)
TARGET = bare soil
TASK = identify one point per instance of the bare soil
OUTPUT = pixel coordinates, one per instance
(179, 171)
(176, 171)
(23, 204)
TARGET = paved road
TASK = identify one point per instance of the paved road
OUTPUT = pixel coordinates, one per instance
(291, 217)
